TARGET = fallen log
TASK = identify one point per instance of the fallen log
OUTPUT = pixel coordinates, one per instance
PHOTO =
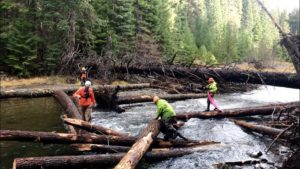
(159, 145)
(69, 138)
(100, 160)
(147, 98)
(239, 112)
(239, 163)
(100, 148)
(230, 75)
(48, 91)
(92, 128)
(262, 129)
(69, 106)
(140, 147)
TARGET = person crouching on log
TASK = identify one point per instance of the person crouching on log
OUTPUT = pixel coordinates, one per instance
(167, 117)
(86, 98)
(212, 90)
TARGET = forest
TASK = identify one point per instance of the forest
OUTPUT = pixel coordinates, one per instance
(156, 84)
(43, 37)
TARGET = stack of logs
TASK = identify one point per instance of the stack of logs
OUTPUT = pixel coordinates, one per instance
(126, 151)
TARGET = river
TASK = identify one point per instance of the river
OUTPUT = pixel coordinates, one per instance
(44, 114)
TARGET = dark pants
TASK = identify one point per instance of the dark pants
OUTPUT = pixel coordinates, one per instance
(86, 113)
(83, 81)
(167, 128)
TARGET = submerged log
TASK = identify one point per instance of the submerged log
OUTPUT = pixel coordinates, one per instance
(230, 75)
(261, 129)
(239, 112)
(100, 160)
(92, 128)
(66, 138)
(48, 91)
(147, 98)
(139, 148)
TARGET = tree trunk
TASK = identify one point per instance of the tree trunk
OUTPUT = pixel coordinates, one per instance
(261, 129)
(230, 75)
(92, 128)
(49, 91)
(292, 47)
(146, 98)
(139, 148)
(100, 160)
(65, 138)
(239, 112)
(69, 106)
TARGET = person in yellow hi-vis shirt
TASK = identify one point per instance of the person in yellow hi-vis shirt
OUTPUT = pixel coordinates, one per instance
(212, 90)
(167, 116)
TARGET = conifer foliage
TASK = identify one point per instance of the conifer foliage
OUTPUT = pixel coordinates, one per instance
(45, 36)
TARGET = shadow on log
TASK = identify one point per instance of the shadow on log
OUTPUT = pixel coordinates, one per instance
(101, 160)
(139, 148)
(239, 112)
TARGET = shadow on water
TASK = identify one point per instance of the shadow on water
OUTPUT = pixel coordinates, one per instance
(44, 114)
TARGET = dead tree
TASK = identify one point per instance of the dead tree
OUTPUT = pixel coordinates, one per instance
(67, 138)
(239, 112)
(139, 148)
(287, 41)
(261, 129)
(103, 160)
(92, 128)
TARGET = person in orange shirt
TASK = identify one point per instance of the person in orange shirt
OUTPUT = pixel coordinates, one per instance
(85, 96)
(83, 76)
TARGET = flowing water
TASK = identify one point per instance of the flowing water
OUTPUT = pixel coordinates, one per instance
(44, 114)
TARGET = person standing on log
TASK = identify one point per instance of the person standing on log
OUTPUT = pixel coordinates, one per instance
(86, 98)
(83, 76)
(212, 90)
(167, 117)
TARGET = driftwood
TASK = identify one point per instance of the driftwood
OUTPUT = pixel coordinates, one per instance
(230, 75)
(66, 138)
(147, 98)
(239, 112)
(48, 91)
(262, 129)
(139, 148)
(100, 160)
(92, 128)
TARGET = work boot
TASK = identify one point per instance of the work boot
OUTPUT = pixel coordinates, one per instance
(166, 138)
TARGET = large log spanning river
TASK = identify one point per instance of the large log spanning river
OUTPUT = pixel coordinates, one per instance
(43, 114)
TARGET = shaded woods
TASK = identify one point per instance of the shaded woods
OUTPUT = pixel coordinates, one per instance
(46, 37)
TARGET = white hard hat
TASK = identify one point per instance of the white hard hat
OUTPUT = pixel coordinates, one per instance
(87, 83)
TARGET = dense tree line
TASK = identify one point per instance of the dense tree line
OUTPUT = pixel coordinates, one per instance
(48, 36)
